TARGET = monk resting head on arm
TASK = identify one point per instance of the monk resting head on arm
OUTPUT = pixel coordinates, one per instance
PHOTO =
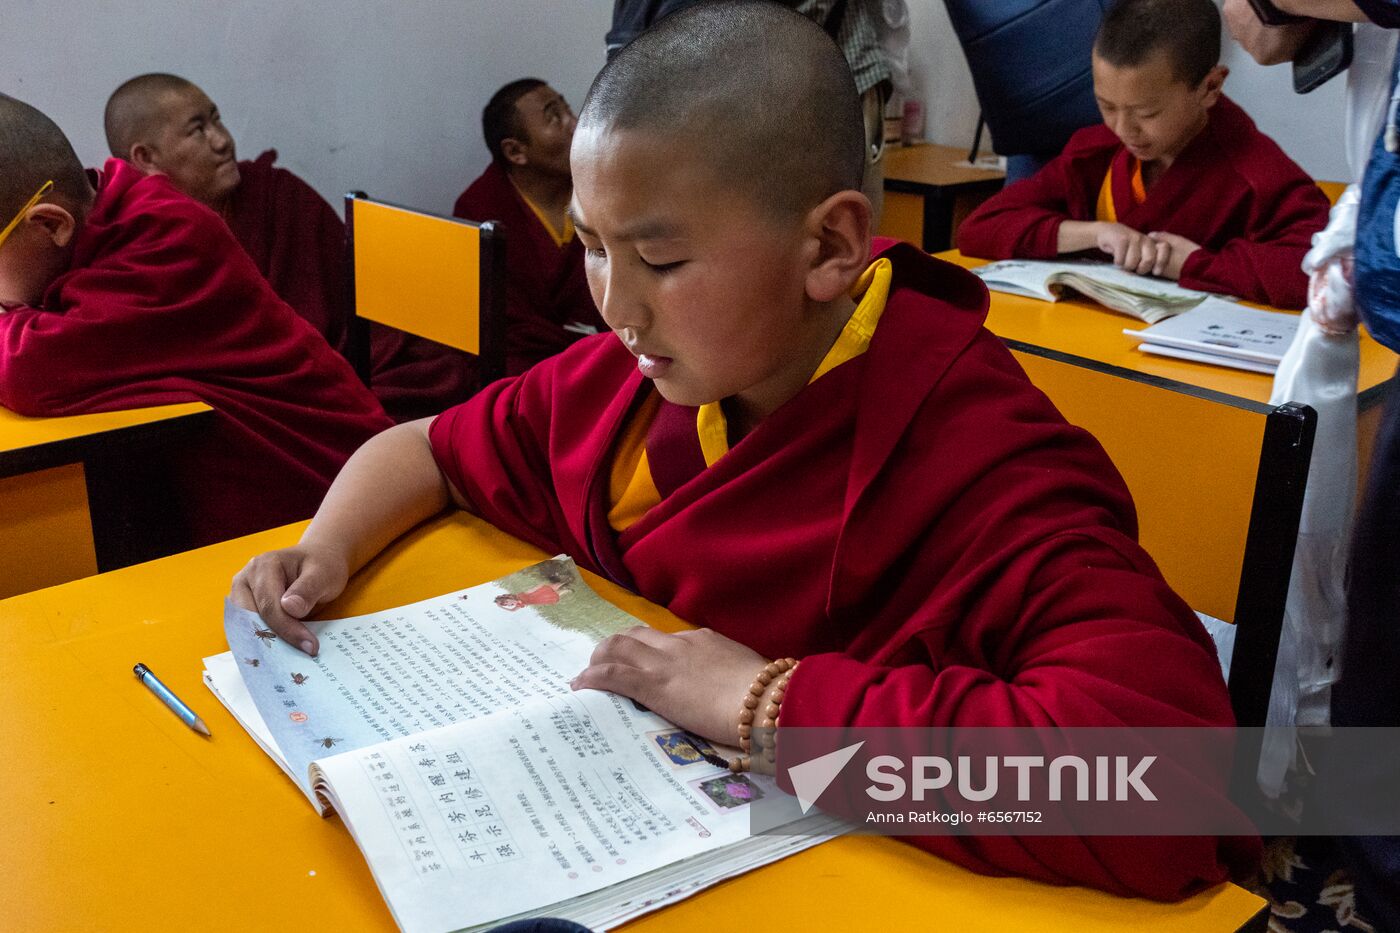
(122, 292)
(44, 197)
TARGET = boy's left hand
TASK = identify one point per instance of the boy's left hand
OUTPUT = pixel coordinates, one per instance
(696, 679)
(1169, 266)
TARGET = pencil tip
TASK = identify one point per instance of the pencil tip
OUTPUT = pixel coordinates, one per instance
(201, 728)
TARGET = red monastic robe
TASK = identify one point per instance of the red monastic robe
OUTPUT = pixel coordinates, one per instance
(296, 240)
(1232, 190)
(160, 306)
(920, 526)
(298, 243)
(545, 283)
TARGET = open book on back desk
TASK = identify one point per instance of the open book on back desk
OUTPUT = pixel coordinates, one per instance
(1149, 299)
(479, 787)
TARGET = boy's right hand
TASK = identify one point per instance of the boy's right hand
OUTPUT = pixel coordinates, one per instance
(1131, 250)
(286, 586)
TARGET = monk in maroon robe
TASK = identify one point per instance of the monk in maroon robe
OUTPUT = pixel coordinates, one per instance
(166, 125)
(528, 127)
(296, 240)
(1177, 182)
(149, 302)
(813, 454)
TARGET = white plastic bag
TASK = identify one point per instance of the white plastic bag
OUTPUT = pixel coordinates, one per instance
(1319, 369)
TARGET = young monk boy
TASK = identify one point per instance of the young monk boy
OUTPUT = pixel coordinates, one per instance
(1177, 182)
(528, 127)
(136, 295)
(164, 124)
(811, 453)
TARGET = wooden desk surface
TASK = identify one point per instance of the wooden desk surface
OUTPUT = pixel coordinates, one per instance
(38, 443)
(935, 166)
(118, 814)
(1082, 329)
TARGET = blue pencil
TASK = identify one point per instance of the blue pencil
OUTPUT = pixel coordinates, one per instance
(152, 682)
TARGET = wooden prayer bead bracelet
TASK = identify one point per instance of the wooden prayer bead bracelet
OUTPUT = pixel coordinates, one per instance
(781, 669)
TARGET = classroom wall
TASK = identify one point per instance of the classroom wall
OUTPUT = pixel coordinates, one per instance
(387, 96)
(373, 94)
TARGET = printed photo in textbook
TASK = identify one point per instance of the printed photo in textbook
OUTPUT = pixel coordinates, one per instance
(446, 737)
(1143, 297)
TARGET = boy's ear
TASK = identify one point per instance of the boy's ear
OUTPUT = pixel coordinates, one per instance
(841, 227)
(514, 151)
(56, 223)
(1213, 84)
(144, 158)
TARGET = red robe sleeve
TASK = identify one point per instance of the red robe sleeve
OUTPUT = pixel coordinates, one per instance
(1266, 263)
(1043, 611)
(498, 451)
(297, 241)
(1023, 220)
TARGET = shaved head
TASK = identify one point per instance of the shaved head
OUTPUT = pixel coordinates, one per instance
(1187, 31)
(756, 90)
(135, 110)
(165, 125)
(34, 150)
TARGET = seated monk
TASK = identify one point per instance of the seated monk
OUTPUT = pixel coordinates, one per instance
(528, 127)
(163, 124)
(1176, 182)
(136, 295)
(809, 446)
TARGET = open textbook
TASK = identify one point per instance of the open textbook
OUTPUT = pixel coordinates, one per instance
(1222, 333)
(1149, 299)
(479, 787)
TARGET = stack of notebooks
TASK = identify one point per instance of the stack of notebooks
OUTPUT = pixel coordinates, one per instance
(479, 787)
(1224, 334)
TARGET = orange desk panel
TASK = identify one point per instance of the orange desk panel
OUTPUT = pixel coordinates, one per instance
(49, 526)
(1186, 436)
(1191, 473)
(928, 189)
(117, 813)
(903, 217)
(45, 529)
(1090, 332)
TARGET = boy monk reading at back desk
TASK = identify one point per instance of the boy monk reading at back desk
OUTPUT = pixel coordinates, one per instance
(811, 453)
(163, 124)
(1177, 182)
(136, 295)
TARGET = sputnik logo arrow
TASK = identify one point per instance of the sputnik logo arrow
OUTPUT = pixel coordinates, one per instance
(811, 778)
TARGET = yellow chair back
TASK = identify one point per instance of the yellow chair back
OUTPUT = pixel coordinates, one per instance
(431, 276)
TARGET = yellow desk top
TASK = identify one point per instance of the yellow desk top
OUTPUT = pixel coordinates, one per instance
(116, 814)
(1082, 329)
(18, 432)
(935, 166)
